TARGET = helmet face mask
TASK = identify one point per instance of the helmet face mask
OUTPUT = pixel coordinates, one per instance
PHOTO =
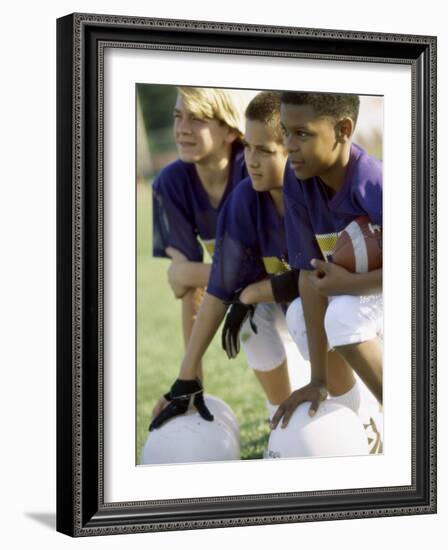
(335, 430)
(189, 438)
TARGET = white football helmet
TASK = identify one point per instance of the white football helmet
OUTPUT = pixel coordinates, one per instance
(190, 438)
(219, 408)
(371, 415)
(334, 430)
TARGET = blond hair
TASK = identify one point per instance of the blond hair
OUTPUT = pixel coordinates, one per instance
(227, 106)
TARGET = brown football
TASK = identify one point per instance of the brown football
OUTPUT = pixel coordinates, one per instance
(359, 247)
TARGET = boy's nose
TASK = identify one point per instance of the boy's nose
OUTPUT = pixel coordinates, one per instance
(252, 161)
(183, 127)
(291, 145)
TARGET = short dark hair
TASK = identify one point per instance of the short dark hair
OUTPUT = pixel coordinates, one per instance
(265, 108)
(333, 105)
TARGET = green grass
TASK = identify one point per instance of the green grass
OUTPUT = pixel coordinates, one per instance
(160, 350)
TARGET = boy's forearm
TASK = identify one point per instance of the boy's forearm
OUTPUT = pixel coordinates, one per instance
(281, 289)
(175, 254)
(363, 284)
(314, 308)
(257, 293)
(195, 274)
(185, 275)
(210, 315)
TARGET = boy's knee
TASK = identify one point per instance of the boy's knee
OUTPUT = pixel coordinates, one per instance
(344, 323)
(295, 321)
(264, 350)
(294, 317)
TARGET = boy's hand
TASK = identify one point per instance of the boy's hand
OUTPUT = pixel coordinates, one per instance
(235, 317)
(313, 392)
(159, 406)
(330, 279)
(182, 395)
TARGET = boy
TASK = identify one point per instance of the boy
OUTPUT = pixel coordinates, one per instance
(250, 245)
(189, 193)
(335, 182)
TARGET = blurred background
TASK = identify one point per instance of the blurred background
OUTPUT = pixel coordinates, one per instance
(159, 336)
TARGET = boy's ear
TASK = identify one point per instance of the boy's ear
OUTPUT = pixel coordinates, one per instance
(344, 129)
(232, 135)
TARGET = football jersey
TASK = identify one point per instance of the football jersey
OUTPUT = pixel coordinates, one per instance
(183, 216)
(315, 217)
(250, 242)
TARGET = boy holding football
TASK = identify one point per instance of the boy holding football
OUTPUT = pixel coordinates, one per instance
(250, 254)
(335, 182)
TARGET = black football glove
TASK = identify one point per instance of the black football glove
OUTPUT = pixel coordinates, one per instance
(235, 317)
(182, 395)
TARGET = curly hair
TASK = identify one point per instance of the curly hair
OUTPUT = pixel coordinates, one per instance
(333, 105)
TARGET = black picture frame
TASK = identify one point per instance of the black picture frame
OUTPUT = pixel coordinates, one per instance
(81, 510)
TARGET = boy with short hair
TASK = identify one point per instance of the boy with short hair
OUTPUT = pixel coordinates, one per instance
(250, 246)
(335, 182)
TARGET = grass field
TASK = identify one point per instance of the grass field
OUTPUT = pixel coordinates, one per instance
(160, 349)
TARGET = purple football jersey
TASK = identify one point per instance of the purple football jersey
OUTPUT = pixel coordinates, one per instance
(182, 213)
(250, 242)
(315, 217)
